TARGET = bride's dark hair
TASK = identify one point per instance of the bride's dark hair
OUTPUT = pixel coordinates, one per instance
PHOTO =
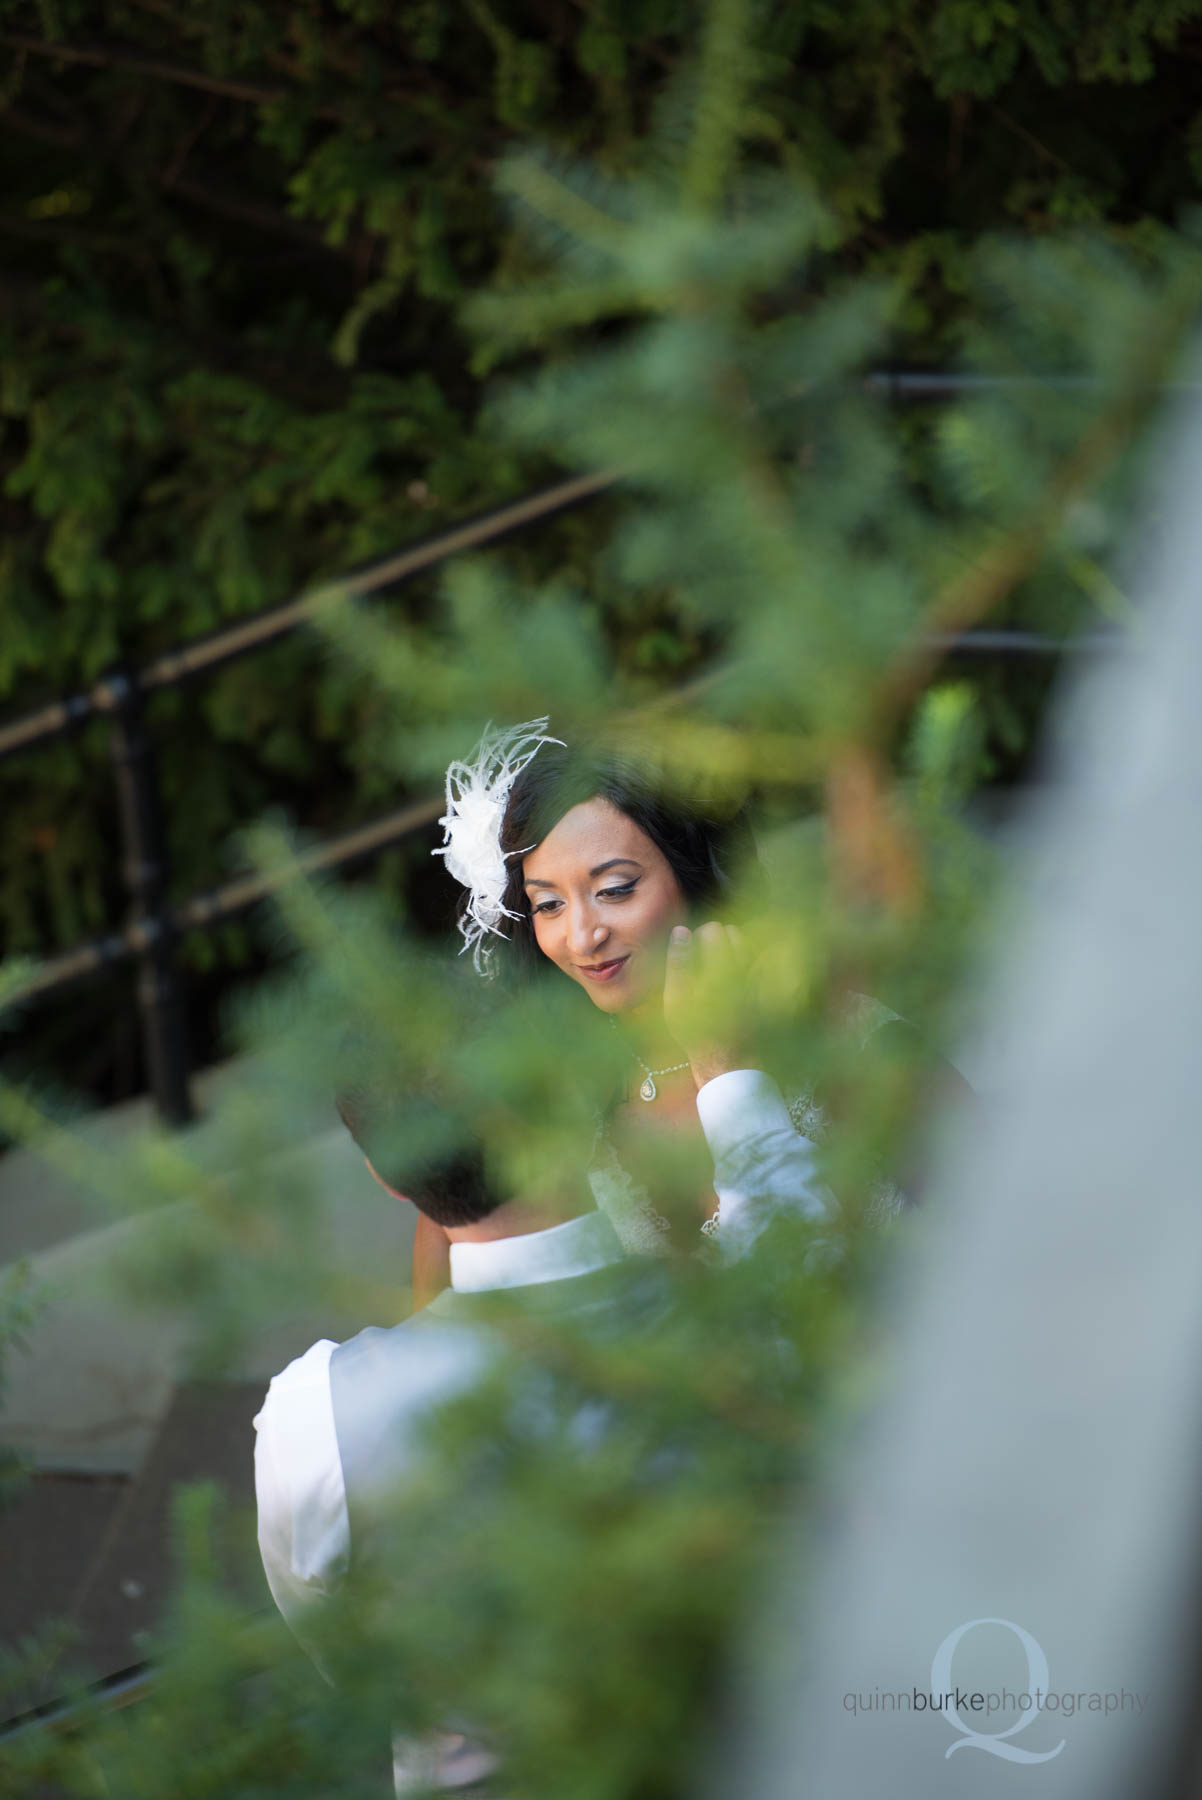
(704, 845)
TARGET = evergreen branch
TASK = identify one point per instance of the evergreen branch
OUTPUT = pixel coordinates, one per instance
(49, 231)
(514, 319)
(724, 81)
(14, 975)
(279, 372)
(742, 755)
(647, 48)
(116, 56)
(229, 205)
(1102, 589)
(191, 138)
(42, 87)
(351, 958)
(498, 35)
(62, 137)
(723, 1394)
(223, 203)
(1009, 559)
(20, 1304)
(163, 1166)
(1029, 138)
(333, 54)
(874, 856)
(561, 205)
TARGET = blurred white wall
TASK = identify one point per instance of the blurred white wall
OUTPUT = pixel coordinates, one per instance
(1036, 1459)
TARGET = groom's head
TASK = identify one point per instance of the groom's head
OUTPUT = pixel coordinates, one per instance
(459, 1156)
(418, 1153)
(496, 1112)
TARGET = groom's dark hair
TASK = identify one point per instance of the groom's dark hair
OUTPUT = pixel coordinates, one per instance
(440, 1128)
(416, 1152)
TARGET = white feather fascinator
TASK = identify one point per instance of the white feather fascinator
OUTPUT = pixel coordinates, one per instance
(477, 792)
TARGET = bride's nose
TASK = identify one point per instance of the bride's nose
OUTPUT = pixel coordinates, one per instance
(585, 935)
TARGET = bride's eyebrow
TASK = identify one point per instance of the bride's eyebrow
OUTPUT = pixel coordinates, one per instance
(613, 863)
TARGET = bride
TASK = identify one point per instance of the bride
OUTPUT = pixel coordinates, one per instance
(576, 860)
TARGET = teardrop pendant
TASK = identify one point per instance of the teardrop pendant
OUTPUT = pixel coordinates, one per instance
(647, 1091)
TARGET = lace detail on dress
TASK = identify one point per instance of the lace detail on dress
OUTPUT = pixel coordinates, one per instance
(641, 1229)
(644, 1231)
(886, 1199)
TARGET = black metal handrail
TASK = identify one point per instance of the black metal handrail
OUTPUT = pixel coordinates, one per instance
(217, 905)
(114, 1691)
(204, 654)
(151, 934)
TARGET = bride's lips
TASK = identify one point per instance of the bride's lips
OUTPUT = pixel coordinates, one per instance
(603, 971)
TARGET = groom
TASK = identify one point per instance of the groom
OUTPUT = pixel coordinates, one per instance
(338, 1430)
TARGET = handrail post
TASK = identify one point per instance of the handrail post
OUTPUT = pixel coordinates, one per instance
(144, 864)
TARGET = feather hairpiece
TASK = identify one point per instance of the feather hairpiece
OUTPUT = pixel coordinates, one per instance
(477, 792)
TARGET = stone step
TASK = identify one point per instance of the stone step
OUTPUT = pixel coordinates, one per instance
(94, 1382)
(96, 1552)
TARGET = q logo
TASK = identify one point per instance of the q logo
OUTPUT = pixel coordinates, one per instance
(993, 1742)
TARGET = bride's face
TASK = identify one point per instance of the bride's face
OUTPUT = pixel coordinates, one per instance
(603, 899)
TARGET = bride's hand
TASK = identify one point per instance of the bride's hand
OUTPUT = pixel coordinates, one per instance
(704, 1006)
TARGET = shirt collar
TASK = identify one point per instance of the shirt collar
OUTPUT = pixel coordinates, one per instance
(575, 1248)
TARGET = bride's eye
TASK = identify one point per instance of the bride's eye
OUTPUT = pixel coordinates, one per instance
(617, 893)
(545, 906)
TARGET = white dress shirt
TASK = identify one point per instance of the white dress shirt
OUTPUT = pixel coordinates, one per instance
(762, 1165)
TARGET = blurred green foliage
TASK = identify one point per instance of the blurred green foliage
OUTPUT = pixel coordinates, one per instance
(18, 1311)
(232, 351)
(713, 237)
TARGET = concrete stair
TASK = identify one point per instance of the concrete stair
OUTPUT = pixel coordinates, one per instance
(104, 1404)
(94, 1551)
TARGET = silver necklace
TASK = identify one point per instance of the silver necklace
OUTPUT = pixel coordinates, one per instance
(648, 1089)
